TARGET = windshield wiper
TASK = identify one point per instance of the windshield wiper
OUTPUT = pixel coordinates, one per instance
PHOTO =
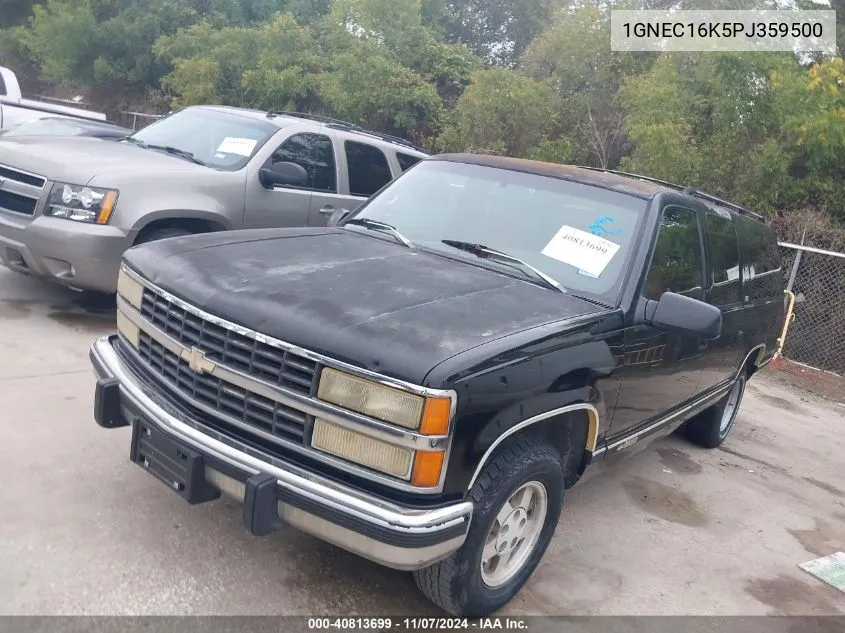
(131, 139)
(175, 151)
(485, 252)
(375, 225)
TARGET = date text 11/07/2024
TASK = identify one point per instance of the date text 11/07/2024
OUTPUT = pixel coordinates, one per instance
(420, 624)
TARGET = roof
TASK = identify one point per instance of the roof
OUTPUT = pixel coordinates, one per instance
(633, 184)
(627, 184)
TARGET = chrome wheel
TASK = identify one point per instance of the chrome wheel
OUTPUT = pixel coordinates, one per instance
(514, 533)
(731, 407)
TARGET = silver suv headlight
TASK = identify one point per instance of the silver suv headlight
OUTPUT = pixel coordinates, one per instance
(81, 203)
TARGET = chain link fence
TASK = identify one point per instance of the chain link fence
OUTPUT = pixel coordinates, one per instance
(816, 336)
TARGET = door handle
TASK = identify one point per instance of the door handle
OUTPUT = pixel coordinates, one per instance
(740, 334)
(327, 210)
(702, 346)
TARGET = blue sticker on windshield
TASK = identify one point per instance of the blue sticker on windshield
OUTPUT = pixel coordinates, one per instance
(599, 228)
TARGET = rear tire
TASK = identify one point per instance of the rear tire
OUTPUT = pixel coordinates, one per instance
(711, 427)
(517, 502)
(161, 234)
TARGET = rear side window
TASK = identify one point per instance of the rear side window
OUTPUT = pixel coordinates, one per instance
(724, 260)
(676, 264)
(406, 161)
(368, 169)
(760, 247)
(761, 259)
(2, 86)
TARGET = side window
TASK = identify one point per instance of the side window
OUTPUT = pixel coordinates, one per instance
(761, 259)
(406, 161)
(368, 169)
(315, 154)
(724, 260)
(676, 264)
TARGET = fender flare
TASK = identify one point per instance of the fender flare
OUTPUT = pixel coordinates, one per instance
(759, 349)
(592, 431)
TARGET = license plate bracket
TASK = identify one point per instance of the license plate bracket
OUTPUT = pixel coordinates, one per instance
(179, 467)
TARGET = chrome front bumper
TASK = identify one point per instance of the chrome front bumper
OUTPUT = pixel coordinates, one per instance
(400, 537)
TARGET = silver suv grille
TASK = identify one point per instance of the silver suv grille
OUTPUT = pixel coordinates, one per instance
(19, 191)
(237, 352)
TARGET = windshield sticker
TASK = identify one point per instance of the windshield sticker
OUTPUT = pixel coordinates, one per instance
(599, 227)
(580, 249)
(239, 146)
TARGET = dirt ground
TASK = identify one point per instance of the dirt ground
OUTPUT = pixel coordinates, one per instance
(672, 530)
(804, 379)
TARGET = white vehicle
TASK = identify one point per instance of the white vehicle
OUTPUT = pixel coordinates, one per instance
(15, 109)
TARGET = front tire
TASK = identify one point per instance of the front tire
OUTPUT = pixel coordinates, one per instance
(710, 428)
(517, 503)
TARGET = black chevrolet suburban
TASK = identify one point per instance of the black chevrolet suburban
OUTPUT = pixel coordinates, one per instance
(420, 381)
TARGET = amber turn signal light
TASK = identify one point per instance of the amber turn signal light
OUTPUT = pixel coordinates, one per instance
(427, 468)
(107, 207)
(436, 414)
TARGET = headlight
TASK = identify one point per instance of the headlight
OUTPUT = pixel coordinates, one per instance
(422, 468)
(129, 289)
(409, 410)
(81, 203)
(362, 449)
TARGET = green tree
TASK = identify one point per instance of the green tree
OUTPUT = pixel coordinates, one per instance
(761, 129)
(271, 66)
(586, 74)
(502, 112)
(395, 29)
(14, 12)
(102, 47)
(498, 31)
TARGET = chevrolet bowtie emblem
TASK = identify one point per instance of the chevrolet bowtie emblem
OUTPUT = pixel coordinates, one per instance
(197, 361)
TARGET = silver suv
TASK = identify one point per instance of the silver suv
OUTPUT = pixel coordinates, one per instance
(70, 207)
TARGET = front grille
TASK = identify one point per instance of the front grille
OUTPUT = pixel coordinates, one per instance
(201, 389)
(236, 351)
(17, 203)
(7, 173)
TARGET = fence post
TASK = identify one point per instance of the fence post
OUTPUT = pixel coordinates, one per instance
(789, 317)
(794, 272)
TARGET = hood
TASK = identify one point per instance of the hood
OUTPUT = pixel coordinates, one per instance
(350, 296)
(78, 159)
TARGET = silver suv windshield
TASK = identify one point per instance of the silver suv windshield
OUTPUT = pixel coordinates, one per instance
(215, 138)
(579, 235)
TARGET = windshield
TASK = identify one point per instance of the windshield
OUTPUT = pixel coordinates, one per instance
(579, 235)
(218, 139)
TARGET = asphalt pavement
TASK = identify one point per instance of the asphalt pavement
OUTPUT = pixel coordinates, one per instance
(671, 530)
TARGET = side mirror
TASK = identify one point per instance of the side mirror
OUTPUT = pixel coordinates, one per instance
(282, 175)
(337, 217)
(678, 312)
